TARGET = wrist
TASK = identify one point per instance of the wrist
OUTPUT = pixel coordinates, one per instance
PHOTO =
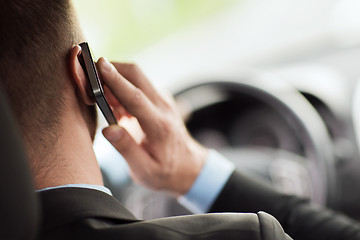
(208, 185)
(192, 166)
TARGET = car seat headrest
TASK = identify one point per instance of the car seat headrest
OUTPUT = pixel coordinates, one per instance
(18, 203)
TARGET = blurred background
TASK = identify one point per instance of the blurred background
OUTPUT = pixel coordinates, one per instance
(171, 38)
(271, 84)
(123, 29)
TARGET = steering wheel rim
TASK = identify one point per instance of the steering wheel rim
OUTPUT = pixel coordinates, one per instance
(294, 108)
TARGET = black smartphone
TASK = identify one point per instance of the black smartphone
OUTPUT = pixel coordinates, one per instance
(92, 75)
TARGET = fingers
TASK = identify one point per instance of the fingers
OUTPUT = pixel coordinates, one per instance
(133, 153)
(133, 73)
(131, 97)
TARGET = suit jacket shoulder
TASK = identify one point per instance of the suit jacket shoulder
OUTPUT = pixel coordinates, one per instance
(76, 213)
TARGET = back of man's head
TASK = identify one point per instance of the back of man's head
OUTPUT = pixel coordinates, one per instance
(35, 38)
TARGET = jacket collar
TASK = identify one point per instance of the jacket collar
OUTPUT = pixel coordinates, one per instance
(65, 205)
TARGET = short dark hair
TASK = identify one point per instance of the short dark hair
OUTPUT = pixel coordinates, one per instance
(35, 38)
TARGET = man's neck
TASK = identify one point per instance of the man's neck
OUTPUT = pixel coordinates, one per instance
(73, 161)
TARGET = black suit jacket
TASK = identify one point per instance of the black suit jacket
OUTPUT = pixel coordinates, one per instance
(299, 218)
(76, 213)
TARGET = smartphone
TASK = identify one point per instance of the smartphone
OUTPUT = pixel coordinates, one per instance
(92, 75)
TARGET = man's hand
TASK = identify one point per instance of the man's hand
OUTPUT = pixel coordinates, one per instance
(166, 157)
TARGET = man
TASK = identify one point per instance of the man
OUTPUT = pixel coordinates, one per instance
(48, 92)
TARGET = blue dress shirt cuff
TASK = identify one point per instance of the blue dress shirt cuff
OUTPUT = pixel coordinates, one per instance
(208, 185)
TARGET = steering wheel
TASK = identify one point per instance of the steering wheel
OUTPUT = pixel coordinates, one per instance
(266, 126)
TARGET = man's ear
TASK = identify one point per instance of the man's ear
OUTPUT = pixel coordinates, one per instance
(79, 76)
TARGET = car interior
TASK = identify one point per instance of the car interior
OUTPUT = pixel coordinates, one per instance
(291, 118)
(293, 125)
(276, 93)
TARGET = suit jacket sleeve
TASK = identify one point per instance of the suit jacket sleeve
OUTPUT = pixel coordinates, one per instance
(299, 218)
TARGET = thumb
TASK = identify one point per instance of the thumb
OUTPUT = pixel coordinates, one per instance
(114, 134)
(133, 153)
